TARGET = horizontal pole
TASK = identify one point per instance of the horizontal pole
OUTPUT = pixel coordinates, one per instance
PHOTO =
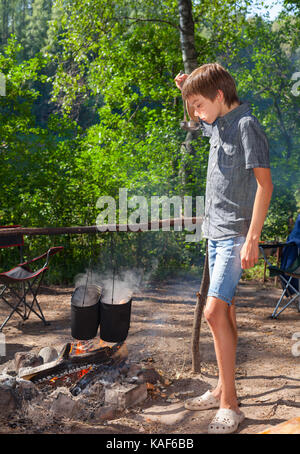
(145, 227)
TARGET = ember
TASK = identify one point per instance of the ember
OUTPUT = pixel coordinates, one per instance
(77, 348)
(68, 379)
(75, 361)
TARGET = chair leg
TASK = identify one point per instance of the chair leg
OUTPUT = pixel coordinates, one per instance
(22, 303)
(275, 314)
(284, 307)
(35, 301)
(6, 320)
(15, 308)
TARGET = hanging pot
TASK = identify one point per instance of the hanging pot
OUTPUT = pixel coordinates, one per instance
(115, 320)
(85, 312)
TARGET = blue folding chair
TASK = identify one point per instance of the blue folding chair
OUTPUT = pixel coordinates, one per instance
(289, 269)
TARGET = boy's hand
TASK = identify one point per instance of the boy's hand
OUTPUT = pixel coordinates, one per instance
(179, 80)
(249, 254)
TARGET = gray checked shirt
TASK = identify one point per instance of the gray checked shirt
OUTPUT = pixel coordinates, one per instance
(237, 145)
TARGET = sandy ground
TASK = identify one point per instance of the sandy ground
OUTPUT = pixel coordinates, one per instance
(267, 375)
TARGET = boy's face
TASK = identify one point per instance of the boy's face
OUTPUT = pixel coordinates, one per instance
(204, 108)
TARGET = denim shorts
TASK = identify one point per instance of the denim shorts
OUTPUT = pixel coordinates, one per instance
(225, 268)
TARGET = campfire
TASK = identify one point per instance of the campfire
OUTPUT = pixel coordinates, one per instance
(87, 381)
(78, 363)
(88, 378)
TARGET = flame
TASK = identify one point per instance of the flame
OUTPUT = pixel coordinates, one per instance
(78, 375)
(102, 343)
(82, 347)
(79, 348)
(83, 372)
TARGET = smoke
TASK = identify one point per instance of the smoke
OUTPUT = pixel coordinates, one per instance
(122, 286)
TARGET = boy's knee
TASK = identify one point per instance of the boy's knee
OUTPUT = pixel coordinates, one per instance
(215, 310)
(210, 315)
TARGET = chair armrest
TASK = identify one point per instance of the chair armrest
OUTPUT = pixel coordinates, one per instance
(275, 245)
(271, 246)
(51, 251)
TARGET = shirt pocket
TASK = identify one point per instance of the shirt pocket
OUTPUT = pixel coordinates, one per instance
(228, 156)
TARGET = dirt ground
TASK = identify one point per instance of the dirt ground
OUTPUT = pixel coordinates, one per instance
(267, 375)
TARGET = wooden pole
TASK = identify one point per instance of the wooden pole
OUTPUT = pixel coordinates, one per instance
(150, 226)
(201, 299)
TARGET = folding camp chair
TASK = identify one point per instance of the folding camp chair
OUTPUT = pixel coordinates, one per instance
(289, 275)
(21, 281)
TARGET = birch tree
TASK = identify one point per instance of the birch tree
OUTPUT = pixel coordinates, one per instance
(190, 62)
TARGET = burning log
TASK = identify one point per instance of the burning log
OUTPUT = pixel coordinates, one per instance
(113, 366)
(67, 362)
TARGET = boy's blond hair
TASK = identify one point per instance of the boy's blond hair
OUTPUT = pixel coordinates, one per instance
(207, 80)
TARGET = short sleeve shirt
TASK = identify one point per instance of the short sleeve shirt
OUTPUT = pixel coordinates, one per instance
(237, 145)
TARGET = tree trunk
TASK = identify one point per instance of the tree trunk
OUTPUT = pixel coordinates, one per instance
(5, 16)
(189, 57)
(187, 36)
(190, 62)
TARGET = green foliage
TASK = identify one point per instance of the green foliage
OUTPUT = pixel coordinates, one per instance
(91, 107)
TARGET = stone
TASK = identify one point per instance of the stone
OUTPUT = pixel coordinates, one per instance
(27, 359)
(8, 402)
(26, 389)
(8, 368)
(124, 396)
(105, 413)
(64, 406)
(48, 354)
(6, 379)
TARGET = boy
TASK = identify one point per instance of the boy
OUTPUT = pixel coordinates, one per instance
(238, 193)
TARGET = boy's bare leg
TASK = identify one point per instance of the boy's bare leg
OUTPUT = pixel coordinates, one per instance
(221, 320)
(232, 316)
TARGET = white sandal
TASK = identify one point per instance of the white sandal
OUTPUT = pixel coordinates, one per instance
(226, 421)
(204, 402)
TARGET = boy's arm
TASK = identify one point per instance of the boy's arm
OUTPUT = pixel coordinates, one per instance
(190, 111)
(205, 127)
(179, 81)
(250, 251)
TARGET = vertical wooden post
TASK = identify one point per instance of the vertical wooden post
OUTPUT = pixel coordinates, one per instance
(201, 299)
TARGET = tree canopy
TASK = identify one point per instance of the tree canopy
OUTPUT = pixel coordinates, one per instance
(91, 107)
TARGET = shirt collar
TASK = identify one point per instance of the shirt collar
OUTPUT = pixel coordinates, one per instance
(238, 111)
